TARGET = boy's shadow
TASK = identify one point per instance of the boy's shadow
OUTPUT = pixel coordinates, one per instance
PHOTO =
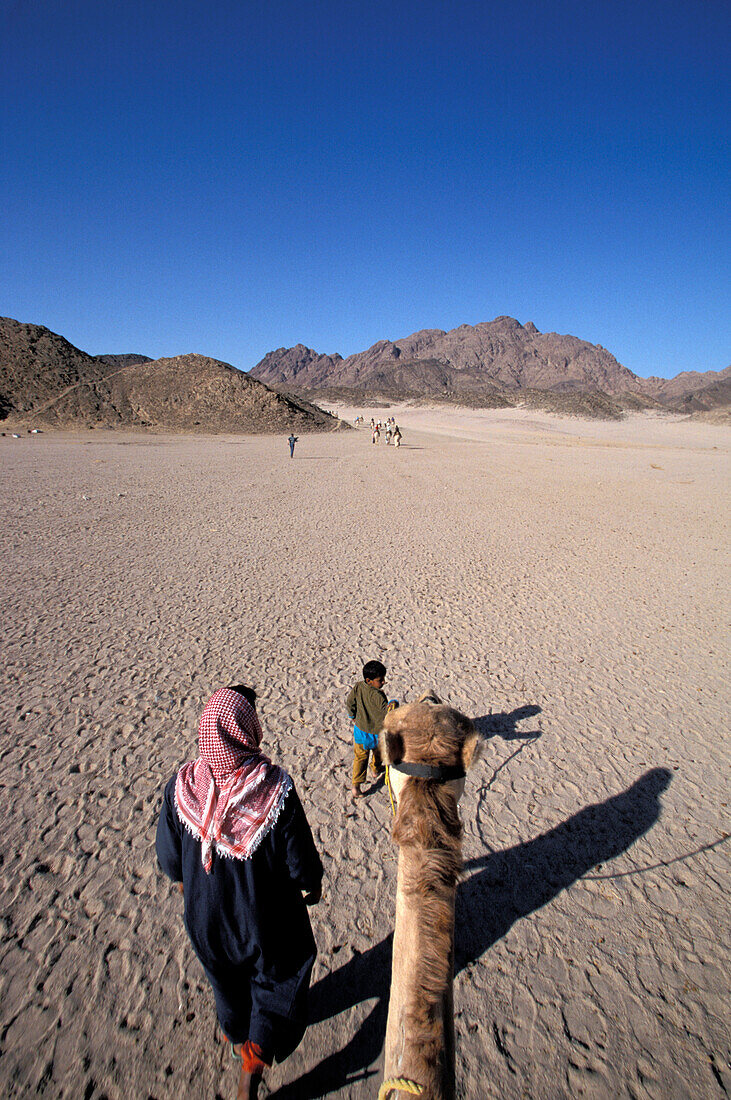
(508, 885)
(505, 724)
(377, 783)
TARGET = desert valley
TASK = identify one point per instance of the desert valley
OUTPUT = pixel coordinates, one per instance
(559, 578)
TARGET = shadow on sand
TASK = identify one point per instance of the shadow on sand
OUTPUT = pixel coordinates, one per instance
(505, 724)
(504, 887)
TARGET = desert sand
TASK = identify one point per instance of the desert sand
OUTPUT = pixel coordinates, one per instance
(562, 582)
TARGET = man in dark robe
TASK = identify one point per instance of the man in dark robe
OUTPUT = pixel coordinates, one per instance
(233, 833)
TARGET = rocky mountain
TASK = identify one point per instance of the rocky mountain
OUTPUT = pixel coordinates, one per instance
(46, 381)
(673, 390)
(500, 353)
(294, 364)
(473, 364)
(709, 398)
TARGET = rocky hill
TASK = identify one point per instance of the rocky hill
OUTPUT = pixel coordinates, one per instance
(45, 381)
(36, 364)
(473, 364)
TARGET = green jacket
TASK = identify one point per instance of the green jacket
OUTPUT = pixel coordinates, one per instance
(367, 707)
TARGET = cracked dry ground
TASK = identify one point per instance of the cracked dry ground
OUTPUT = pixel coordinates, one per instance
(570, 598)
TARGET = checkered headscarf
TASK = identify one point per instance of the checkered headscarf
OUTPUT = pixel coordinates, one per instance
(230, 797)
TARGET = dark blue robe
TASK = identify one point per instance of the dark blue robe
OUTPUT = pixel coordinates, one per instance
(249, 925)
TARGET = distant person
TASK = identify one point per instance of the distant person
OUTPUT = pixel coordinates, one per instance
(396, 436)
(292, 440)
(367, 705)
(233, 834)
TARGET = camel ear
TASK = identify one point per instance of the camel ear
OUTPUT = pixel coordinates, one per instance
(471, 748)
(394, 747)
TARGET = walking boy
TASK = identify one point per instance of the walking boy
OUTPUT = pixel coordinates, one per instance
(367, 705)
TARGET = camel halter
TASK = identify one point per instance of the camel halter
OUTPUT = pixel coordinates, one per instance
(427, 771)
(422, 771)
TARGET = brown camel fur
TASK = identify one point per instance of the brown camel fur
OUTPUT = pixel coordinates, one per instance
(420, 1029)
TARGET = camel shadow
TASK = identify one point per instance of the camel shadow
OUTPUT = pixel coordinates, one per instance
(507, 885)
(513, 883)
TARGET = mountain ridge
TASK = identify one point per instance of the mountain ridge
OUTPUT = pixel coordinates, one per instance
(499, 354)
(500, 363)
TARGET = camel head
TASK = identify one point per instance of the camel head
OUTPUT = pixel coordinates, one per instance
(429, 732)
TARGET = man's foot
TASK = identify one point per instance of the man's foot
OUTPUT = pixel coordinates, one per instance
(356, 792)
(248, 1085)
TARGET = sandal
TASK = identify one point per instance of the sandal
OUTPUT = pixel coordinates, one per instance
(249, 1079)
(248, 1085)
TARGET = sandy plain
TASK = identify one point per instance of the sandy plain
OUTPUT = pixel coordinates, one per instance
(562, 582)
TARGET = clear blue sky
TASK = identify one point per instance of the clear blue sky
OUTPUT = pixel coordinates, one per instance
(233, 176)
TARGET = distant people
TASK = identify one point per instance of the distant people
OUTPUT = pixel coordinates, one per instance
(232, 833)
(367, 705)
(292, 440)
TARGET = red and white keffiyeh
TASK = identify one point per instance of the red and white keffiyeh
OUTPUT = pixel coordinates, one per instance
(230, 797)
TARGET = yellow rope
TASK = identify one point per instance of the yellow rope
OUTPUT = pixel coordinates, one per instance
(390, 792)
(401, 1084)
(392, 704)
